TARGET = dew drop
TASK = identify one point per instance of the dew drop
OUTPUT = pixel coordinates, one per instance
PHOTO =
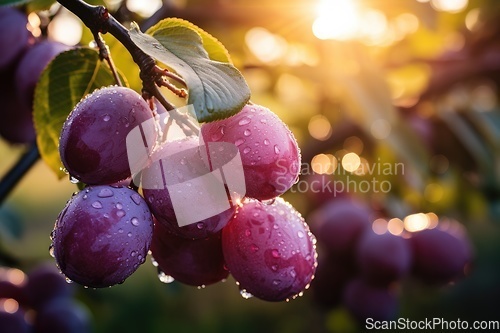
(105, 193)
(133, 253)
(200, 225)
(120, 231)
(106, 117)
(51, 251)
(219, 134)
(136, 198)
(293, 273)
(119, 206)
(300, 234)
(275, 227)
(154, 262)
(68, 280)
(135, 221)
(266, 142)
(245, 294)
(183, 161)
(276, 149)
(276, 282)
(201, 287)
(129, 234)
(254, 248)
(247, 132)
(239, 142)
(97, 205)
(274, 267)
(246, 150)
(263, 121)
(244, 121)
(165, 278)
(73, 180)
(120, 213)
(248, 233)
(275, 253)
(85, 196)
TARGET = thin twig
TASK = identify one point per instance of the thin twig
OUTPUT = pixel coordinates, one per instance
(106, 55)
(170, 75)
(17, 172)
(182, 93)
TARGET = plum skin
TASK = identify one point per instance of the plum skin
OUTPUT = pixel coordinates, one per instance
(100, 239)
(268, 149)
(269, 250)
(184, 163)
(194, 262)
(92, 143)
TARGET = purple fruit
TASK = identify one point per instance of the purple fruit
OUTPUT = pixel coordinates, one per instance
(439, 256)
(194, 262)
(383, 259)
(15, 37)
(269, 250)
(13, 284)
(330, 279)
(269, 152)
(12, 322)
(339, 224)
(16, 125)
(93, 144)
(102, 235)
(177, 163)
(62, 316)
(46, 283)
(366, 301)
(31, 67)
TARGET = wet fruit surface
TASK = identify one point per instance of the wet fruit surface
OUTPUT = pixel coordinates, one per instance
(269, 250)
(196, 262)
(93, 139)
(176, 166)
(102, 235)
(269, 152)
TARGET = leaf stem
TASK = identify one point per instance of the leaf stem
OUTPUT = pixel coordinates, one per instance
(23, 165)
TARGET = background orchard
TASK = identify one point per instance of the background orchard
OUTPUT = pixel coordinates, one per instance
(395, 107)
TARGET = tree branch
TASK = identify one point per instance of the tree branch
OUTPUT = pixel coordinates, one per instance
(98, 20)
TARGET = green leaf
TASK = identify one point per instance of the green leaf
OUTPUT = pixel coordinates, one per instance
(216, 51)
(69, 77)
(217, 89)
(13, 2)
(37, 5)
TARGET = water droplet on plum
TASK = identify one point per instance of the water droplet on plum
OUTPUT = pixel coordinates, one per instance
(105, 193)
(97, 204)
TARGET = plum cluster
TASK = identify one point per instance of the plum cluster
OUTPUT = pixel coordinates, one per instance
(360, 268)
(22, 61)
(106, 230)
(40, 302)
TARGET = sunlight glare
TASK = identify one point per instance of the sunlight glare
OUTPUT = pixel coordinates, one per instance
(337, 19)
